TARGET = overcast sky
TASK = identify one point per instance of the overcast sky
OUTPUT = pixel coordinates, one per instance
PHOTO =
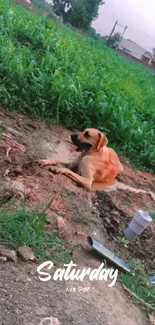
(139, 15)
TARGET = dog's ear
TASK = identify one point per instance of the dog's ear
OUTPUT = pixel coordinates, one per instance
(102, 141)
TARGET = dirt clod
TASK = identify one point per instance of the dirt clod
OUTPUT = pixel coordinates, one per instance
(52, 219)
(50, 321)
(26, 253)
(3, 259)
(8, 254)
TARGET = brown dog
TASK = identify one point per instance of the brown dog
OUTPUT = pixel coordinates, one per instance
(96, 163)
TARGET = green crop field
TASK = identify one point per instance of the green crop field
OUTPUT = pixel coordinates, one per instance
(48, 70)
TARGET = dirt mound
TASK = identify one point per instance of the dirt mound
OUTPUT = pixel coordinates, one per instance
(137, 178)
(22, 142)
(26, 300)
(101, 215)
(116, 211)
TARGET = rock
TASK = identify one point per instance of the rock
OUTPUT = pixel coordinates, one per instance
(26, 253)
(19, 188)
(62, 225)
(61, 213)
(115, 222)
(13, 188)
(115, 213)
(8, 254)
(6, 192)
(3, 259)
(49, 321)
(107, 220)
(23, 279)
(52, 219)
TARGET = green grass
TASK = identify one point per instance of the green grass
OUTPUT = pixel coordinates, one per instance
(126, 203)
(48, 70)
(27, 228)
(152, 214)
(138, 283)
(68, 192)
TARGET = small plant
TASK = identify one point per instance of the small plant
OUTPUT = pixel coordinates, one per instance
(27, 228)
(152, 214)
(138, 283)
(126, 203)
(68, 192)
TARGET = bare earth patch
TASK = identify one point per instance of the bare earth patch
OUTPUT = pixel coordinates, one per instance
(103, 215)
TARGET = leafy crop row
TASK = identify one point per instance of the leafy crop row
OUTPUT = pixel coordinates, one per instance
(46, 69)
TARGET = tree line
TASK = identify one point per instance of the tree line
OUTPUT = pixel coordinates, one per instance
(79, 14)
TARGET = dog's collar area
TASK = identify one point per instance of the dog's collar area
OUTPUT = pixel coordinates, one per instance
(93, 152)
(89, 153)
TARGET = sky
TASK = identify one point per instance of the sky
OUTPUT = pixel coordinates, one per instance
(139, 15)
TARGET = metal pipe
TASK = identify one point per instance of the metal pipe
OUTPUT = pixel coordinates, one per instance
(108, 254)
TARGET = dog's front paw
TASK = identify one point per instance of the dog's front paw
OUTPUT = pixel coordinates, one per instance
(63, 171)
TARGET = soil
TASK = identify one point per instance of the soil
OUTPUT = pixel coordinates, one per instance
(101, 214)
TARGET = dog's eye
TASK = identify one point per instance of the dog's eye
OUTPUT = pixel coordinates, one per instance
(87, 135)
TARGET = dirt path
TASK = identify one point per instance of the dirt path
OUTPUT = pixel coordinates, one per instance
(25, 299)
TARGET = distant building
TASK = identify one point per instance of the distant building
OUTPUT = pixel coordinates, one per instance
(131, 48)
(135, 52)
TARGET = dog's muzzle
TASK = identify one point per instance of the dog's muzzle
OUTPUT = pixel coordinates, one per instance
(81, 146)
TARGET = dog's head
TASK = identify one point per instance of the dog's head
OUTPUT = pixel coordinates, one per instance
(89, 140)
